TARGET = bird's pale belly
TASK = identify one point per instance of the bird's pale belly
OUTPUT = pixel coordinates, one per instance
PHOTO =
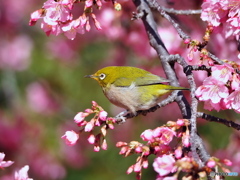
(131, 98)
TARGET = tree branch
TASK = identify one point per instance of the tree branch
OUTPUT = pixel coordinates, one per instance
(156, 42)
(181, 12)
(219, 120)
(144, 12)
(213, 57)
(154, 5)
(197, 147)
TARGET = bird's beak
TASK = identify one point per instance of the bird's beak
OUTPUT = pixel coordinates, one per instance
(89, 76)
(93, 76)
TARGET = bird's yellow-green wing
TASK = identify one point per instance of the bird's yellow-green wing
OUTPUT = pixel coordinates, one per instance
(144, 80)
(149, 79)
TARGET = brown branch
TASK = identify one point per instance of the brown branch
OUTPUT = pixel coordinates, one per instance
(145, 13)
(219, 120)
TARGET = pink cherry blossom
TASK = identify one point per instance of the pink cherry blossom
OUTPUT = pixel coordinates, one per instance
(180, 122)
(89, 111)
(22, 174)
(4, 164)
(222, 105)
(178, 153)
(235, 81)
(162, 149)
(124, 150)
(89, 126)
(190, 55)
(233, 100)
(104, 145)
(164, 134)
(213, 11)
(96, 23)
(72, 28)
(130, 169)
(121, 144)
(35, 16)
(187, 41)
(103, 115)
(56, 11)
(186, 140)
(222, 72)
(233, 23)
(147, 135)
(54, 29)
(224, 12)
(212, 90)
(164, 165)
(211, 164)
(232, 26)
(139, 149)
(91, 139)
(79, 118)
(88, 3)
(145, 164)
(69, 3)
(137, 167)
(96, 148)
(99, 3)
(227, 162)
(70, 137)
(234, 8)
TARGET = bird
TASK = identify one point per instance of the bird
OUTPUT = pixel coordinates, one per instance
(132, 88)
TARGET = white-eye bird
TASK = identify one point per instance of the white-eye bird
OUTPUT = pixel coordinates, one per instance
(132, 88)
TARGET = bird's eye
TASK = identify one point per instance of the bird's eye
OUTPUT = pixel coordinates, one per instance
(102, 76)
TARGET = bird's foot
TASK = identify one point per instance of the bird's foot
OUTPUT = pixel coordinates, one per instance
(120, 118)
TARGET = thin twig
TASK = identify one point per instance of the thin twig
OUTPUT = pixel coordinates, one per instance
(181, 12)
(219, 120)
(213, 57)
(188, 69)
(154, 4)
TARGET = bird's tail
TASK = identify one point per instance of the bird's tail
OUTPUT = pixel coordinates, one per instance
(179, 88)
(168, 87)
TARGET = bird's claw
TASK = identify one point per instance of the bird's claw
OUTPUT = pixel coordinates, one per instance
(120, 118)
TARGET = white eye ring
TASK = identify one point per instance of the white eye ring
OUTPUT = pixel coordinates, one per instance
(102, 76)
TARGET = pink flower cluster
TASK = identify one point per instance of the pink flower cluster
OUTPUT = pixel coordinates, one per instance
(162, 135)
(58, 18)
(100, 119)
(168, 166)
(170, 160)
(135, 147)
(225, 12)
(158, 143)
(221, 90)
